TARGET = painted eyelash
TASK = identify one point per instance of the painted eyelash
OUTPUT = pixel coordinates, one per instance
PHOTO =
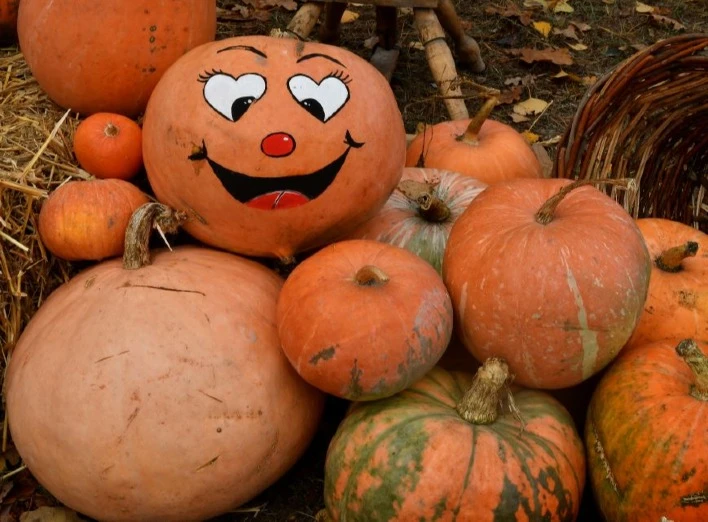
(340, 75)
(204, 77)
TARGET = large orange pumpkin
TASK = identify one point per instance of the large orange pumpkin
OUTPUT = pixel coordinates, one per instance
(108, 56)
(677, 304)
(647, 434)
(421, 211)
(548, 275)
(8, 20)
(271, 145)
(363, 320)
(443, 449)
(159, 393)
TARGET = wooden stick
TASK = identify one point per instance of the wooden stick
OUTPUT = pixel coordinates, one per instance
(303, 22)
(441, 62)
(467, 48)
(329, 30)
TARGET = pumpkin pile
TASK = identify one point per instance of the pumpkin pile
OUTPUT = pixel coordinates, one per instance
(322, 257)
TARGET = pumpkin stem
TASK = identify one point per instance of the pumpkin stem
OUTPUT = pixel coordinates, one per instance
(690, 353)
(137, 236)
(546, 213)
(670, 259)
(475, 125)
(480, 404)
(370, 275)
(430, 207)
(111, 130)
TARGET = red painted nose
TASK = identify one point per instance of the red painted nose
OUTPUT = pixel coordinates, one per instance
(278, 144)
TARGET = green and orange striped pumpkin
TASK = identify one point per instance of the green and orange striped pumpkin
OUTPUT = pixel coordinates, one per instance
(413, 457)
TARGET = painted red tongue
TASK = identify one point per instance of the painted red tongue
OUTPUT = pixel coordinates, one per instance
(278, 200)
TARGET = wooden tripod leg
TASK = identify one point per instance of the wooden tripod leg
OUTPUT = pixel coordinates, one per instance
(467, 48)
(440, 60)
(329, 30)
(387, 26)
(302, 23)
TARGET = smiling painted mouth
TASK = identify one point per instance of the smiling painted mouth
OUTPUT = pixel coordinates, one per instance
(281, 192)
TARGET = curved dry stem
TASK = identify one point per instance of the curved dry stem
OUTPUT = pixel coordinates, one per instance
(670, 259)
(546, 213)
(480, 404)
(137, 236)
(693, 356)
(472, 131)
(430, 207)
(370, 275)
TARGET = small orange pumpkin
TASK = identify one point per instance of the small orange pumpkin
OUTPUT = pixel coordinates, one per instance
(108, 56)
(677, 303)
(484, 149)
(86, 220)
(109, 146)
(8, 20)
(549, 275)
(421, 212)
(278, 146)
(363, 320)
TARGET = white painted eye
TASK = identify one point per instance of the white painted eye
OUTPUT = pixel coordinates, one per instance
(323, 100)
(232, 97)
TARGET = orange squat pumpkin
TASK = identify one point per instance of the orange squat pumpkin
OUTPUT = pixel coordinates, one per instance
(484, 149)
(677, 304)
(363, 320)
(444, 449)
(549, 275)
(109, 146)
(647, 434)
(86, 220)
(108, 56)
(271, 145)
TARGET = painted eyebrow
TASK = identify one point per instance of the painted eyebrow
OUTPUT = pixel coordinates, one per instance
(320, 55)
(243, 48)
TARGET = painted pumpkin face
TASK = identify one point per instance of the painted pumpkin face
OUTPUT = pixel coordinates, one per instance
(271, 145)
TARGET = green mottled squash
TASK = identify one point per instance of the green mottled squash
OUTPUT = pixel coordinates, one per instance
(443, 450)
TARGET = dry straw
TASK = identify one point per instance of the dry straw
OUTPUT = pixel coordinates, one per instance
(35, 157)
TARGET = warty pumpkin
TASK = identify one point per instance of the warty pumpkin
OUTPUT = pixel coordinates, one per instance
(108, 56)
(362, 320)
(647, 434)
(163, 394)
(279, 146)
(484, 149)
(86, 220)
(109, 145)
(677, 304)
(421, 211)
(443, 449)
(548, 274)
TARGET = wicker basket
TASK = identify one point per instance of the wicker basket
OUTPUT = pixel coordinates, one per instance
(647, 119)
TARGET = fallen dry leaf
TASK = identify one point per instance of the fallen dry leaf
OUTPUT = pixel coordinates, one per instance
(582, 26)
(370, 43)
(568, 32)
(526, 80)
(289, 5)
(416, 45)
(530, 107)
(578, 46)
(518, 118)
(510, 95)
(50, 514)
(530, 137)
(643, 8)
(670, 22)
(562, 6)
(543, 158)
(511, 11)
(585, 80)
(549, 54)
(349, 16)
(543, 27)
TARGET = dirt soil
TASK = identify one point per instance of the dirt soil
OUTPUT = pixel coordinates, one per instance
(604, 33)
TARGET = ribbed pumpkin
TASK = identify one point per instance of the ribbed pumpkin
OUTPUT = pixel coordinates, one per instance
(551, 276)
(8, 20)
(159, 393)
(443, 450)
(86, 220)
(279, 146)
(484, 149)
(108, 56)
(421, 211)
(362, 320)
(647, 434)
(677, 304)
